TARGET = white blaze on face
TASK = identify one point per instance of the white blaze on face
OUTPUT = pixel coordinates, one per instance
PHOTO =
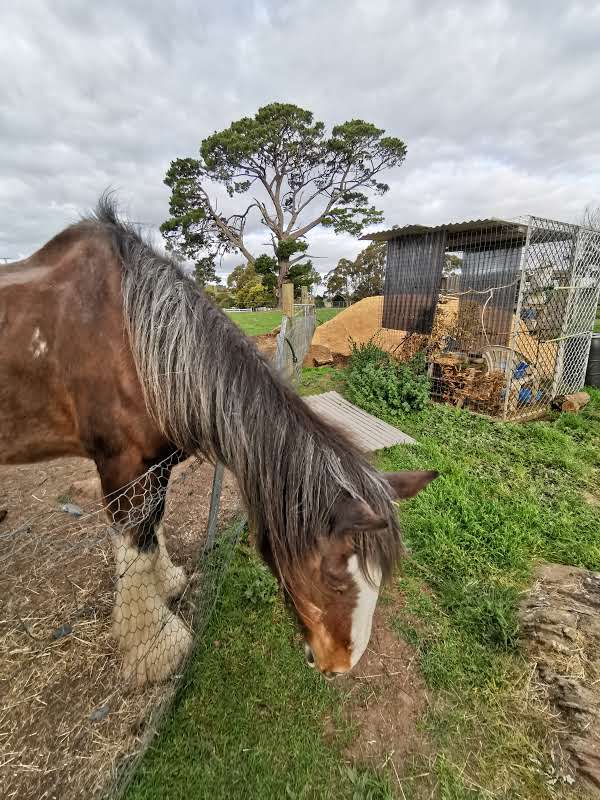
(362, 616)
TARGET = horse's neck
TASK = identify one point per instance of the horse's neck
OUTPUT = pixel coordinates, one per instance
(20, 272)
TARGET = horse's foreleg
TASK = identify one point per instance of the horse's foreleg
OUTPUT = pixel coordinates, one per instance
(172, 579)
(152, 639)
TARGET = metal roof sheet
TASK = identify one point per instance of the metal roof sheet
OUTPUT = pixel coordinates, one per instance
(451, 227)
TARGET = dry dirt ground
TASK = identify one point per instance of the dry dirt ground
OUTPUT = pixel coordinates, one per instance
(267, 343)
(386, 697)
(59, 670)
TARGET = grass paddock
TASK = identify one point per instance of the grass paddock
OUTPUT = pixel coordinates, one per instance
(257, 323)
(250, 722)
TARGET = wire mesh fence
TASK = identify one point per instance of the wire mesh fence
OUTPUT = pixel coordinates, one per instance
(78, 705)
(95, 627)
(508, 327)
(294, 340)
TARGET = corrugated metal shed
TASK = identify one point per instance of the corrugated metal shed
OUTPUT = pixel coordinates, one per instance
(413, 275)
(467, 226)
(481, 233)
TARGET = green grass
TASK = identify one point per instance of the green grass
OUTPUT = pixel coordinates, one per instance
(508, 497)
(250, 721)
(316, 380)
(256, 323)
(325, 314)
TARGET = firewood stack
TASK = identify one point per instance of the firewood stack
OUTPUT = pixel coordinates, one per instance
(470, 386)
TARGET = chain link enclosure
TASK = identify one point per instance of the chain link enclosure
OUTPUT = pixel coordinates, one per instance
(511, 329)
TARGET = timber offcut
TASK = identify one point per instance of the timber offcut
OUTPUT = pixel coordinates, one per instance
(366, 431)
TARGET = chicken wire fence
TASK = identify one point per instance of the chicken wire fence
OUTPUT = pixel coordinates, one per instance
(95, 634)
(78, 705)
(505, 310)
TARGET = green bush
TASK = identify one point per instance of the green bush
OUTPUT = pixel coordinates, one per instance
(385, 387)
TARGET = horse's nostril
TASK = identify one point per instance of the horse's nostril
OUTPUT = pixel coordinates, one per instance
(310, 656)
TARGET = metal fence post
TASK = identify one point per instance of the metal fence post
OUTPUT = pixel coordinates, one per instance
(215, 502)
(516, 320)
(287, 306)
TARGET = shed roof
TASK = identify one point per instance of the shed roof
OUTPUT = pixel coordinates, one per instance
(467, 226)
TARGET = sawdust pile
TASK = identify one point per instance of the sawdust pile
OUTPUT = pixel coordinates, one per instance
(360, 323)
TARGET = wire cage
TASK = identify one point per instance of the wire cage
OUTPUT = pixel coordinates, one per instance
(505, 309)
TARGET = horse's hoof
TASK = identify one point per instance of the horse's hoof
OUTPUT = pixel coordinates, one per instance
(159, 655)
(173, 582)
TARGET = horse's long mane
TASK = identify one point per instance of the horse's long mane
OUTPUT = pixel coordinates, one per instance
(212, 392)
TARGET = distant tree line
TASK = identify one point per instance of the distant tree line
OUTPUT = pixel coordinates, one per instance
(254, 285)
(362, 277)
(351, 280)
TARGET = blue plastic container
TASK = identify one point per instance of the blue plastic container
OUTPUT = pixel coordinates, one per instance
(520, 370)
(525, 395)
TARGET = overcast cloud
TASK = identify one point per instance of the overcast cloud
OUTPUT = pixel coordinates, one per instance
(497, 101)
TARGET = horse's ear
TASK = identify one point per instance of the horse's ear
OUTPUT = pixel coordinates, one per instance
(351, 514)
(408, 484)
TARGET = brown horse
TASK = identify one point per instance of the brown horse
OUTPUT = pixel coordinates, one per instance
(108, 350)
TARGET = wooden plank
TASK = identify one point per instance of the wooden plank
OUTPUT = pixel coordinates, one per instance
(366, 431)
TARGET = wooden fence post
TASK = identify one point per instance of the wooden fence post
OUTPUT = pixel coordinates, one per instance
(287, 299)
(287, 306)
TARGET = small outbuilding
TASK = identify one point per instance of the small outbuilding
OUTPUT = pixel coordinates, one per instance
(508, 307)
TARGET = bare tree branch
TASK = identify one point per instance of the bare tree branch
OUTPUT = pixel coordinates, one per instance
(226, 231)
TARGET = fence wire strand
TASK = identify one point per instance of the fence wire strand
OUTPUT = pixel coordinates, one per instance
(71, 722)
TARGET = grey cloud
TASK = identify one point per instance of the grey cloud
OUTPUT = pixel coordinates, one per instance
(496, 101)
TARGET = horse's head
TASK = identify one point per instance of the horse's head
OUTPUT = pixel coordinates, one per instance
(335, 590)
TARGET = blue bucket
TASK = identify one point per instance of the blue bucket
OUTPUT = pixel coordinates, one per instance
(520, 370)
(525, 395)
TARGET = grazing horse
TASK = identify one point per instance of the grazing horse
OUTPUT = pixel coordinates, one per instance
(109, 351)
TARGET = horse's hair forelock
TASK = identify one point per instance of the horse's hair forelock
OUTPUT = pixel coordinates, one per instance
(212, 392)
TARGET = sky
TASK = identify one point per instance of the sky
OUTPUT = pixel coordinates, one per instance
(497, 101)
